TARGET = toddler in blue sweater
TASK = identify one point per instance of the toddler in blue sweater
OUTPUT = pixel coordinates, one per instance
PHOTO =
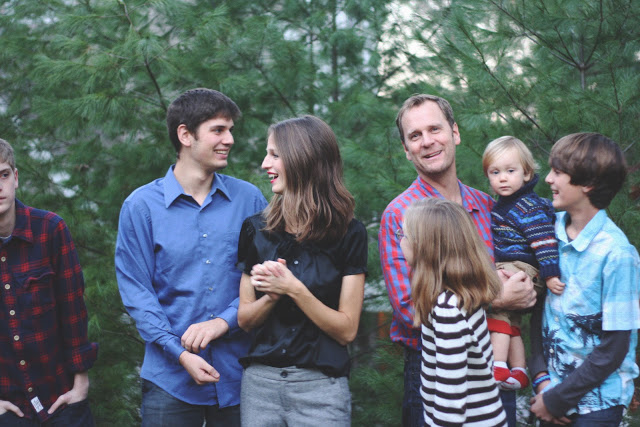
(522, 224)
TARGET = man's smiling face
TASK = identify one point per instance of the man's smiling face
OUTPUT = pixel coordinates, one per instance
(429, 141)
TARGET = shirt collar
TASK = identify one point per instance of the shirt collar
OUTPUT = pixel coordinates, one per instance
(22, 229)
(468, 201)
(173, 189)
(587, 234)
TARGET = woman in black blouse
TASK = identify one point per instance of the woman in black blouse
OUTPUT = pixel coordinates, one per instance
(304, 260)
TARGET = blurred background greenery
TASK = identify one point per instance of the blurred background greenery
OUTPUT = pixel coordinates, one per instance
(84, 87)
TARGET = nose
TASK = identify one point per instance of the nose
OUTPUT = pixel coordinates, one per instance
(548, 179)
(266, 164)
(228, 138)
(427, 139)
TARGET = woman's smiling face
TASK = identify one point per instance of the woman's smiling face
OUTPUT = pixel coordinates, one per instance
(274, 166)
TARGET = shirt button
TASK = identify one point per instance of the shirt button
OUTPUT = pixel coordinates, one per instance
(22, 363)
(284, 351)
(12, 312)
(211, 316)
(30, 389)
(210, 289)
(16, 337)
(284, 374)
(204, 235)
(3, 259)
(293, 329)
(207, 262)
(555, 319)
(295, 262)
(7, 286)
(551, 351)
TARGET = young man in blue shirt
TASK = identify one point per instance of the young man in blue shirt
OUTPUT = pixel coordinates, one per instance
(584, 364)
(175, 261)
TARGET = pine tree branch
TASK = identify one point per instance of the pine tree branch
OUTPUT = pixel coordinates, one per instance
(514, 102)
(538, 38)
(147, 66)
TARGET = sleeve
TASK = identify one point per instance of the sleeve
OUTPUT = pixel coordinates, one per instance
(452, 335)
(596, 368)
(620, 290)
(536, 362)
(394, 267)
(247, 252)
(79, 353)
(537, 226)
(356, 250)
(135, 265)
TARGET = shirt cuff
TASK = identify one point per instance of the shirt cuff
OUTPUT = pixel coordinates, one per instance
(547, 271)
(174, 348)
(230, 315)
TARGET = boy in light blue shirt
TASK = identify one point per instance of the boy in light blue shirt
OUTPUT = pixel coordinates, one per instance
(589, 332)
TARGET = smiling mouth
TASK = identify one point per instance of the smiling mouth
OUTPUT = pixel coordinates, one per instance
(225, 152)
(429, 156)
(272, 176)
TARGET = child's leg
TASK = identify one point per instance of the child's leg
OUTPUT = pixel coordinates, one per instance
(517, 360)
(500, 343)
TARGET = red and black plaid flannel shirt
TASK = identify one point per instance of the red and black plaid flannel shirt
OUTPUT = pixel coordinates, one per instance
(43, 318)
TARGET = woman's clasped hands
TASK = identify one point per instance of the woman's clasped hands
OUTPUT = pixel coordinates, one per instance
(274, 278)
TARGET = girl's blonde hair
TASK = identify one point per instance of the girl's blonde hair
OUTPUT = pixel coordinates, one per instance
(499, 146)
(448, 253)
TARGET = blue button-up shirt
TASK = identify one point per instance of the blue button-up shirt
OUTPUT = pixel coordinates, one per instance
(601, 270)
(175, 264)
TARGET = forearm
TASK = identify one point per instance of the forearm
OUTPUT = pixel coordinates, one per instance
(81, 382)
(252, 312)
(341, 324)
(396, 273)
(68, 282)
(602, 362)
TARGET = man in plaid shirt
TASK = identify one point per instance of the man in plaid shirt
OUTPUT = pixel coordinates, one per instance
(429, 136)
(44, 350)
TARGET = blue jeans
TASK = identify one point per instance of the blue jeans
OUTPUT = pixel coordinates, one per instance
(75, 415)
(160, 409)
(412, 411)
(610, 417)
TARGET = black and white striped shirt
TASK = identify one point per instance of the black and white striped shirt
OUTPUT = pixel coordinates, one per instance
(457, 384)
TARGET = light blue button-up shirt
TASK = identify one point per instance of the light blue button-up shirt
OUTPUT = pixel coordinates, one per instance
(175, 264)
(601, 270)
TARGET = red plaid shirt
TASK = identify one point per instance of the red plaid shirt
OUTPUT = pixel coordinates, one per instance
(395, 267)
(43, 318)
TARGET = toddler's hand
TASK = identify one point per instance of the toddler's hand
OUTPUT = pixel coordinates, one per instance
(555, 285)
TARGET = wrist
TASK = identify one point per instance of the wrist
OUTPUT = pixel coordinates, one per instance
(539, 379)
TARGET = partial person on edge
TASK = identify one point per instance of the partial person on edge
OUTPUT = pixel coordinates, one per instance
(45, 353)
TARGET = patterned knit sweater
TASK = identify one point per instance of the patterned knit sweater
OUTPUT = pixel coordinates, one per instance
(522, 226)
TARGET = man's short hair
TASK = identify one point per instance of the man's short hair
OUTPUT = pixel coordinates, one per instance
(498, 147)
(591, 160)
(195, 107)
(419, 99)
(6, 154)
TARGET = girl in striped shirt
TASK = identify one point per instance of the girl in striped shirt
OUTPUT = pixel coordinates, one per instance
(452, 279)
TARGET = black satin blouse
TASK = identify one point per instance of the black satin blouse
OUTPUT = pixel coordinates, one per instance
(288, 337)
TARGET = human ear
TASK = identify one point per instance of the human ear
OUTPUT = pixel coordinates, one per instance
(184, 136)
